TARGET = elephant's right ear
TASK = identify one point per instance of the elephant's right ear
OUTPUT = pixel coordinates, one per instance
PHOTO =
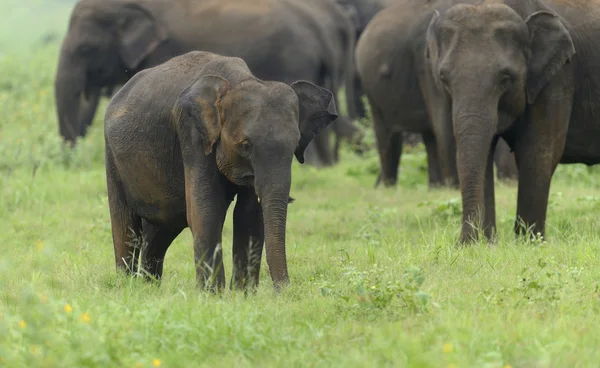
(317, 110)
(199, 105)
(551, 48)
(139, 34)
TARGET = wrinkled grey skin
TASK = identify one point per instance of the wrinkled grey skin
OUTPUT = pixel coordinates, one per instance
(524, 70)
(185, 137)
(109, 41)
(390, 66)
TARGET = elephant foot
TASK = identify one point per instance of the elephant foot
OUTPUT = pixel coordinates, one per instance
(387, 183)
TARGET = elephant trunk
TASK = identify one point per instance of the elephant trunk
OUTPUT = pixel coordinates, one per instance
(273, 189)
(474, 132)
(76, 102)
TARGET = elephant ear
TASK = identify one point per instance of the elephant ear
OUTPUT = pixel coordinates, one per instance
(551, 46)
(316, 109)
(432, 53)
(139, 34)
(199, 104)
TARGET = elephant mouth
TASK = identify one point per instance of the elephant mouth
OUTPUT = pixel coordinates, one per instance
(247, 180)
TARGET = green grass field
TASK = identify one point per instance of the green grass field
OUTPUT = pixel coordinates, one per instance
(376, 277)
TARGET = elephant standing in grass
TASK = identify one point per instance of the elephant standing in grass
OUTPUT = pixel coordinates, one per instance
(391, 65)
(109, 41)
(185, 137)
(523, 70)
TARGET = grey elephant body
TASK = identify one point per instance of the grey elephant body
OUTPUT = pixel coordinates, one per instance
(522, 70)
(282, 40)
(185, 137)
(390, 63)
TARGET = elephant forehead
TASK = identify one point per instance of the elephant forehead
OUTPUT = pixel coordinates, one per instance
(91, 9)
(481, 14)
(262, 98)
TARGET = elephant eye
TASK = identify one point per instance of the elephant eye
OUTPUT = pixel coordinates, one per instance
(245, 148)
(444, 78)
(506, 79)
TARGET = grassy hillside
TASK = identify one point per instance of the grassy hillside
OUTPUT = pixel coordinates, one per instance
(376, 278)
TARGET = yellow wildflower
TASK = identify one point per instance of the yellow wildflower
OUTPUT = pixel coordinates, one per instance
(68, 308)
(156, 362)
(447, 348)
(507, 366)
(39, 245)
(452, 365)
(85, 317)
(22, 324)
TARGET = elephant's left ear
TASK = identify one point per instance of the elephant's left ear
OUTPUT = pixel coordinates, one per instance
(139, 34)
(317, 110)
(551, 46)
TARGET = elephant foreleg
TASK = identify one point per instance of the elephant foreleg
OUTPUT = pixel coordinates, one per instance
(248, 240)
(433, 161)
(489, 219)
(539, 145)
(206, 206)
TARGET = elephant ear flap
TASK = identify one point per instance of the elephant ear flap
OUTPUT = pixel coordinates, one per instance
(139, 34)
(316, 111)
(551, 46)
(199, 106)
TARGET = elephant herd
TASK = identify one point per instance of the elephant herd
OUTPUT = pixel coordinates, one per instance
(217, 96)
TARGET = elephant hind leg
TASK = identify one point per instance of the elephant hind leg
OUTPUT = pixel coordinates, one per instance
(389, 145)
(156, 241)
(126, 225)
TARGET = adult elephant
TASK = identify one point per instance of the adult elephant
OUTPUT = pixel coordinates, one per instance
(525, 70)
(391, 68)
(109, 41)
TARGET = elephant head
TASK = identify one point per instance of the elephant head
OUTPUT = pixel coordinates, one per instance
(489, 62)
(254, 128)
(106, 42)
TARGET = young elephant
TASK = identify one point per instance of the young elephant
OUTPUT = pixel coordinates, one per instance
(183, 138)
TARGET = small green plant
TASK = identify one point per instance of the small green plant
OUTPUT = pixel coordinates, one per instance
(451, 208)
(369, 294)
(542, 284)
